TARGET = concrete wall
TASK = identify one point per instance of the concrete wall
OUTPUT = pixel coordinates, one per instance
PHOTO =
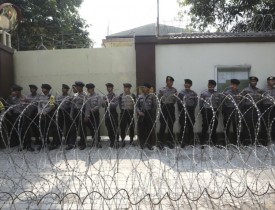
(99, 66)
(198, 62)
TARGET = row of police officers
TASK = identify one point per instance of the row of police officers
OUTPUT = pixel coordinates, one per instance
(68, 116)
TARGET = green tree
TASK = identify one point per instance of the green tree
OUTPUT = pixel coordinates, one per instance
(50, 24)
(231, 15)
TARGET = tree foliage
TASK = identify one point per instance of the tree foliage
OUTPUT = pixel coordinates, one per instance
(231, 15)
(50, 24)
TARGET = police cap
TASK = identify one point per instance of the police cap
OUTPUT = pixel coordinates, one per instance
(90, 86)
(46, 86)
(270, 78)
(79, 84)
(127, 85)
(212, 82)
(16, 87)
(64, 86)
(146, 84)
(109, 85)
(188, 81)
(235, 81)
(169, 78)
(253, 78)
(33, 86)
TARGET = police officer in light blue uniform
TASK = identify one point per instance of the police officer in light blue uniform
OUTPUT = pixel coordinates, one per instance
(188, 100)
(167, 97)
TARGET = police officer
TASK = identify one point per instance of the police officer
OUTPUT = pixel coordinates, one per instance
(92, 106)
(230, 110)
(250, 110)
(188, 100)
(209, 104)
(48, 124)
(146, 111)
(19, 130)
(64, 107)
(110, 102)
(126, 103)
(77, 116)
(268, 112)
(34, 118)
(167, 97)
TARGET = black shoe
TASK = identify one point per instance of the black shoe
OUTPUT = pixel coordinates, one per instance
(161, 147)
(82, 147)
(98, 145)
(132, 143)
(69, 147)
(40, 147)
(112, 145)
(52, 147)
(149, 147)
(21, 149)
(183, 145)
(171, 145)
(123, 143)
(30, 149)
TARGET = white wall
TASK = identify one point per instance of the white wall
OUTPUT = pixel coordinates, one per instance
(98, 66)
(198, 62)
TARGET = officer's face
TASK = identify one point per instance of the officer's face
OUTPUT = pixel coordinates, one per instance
(33, 90)
(253, 83)
(74, 89)
(79, 89)
(127, 90)
(271, 83)
(169, 83)
(45, 91)
(211, 86)
(109, 89)
(146, 90)
(64, 90)
(187, 85)
(234, 87)
(91, 90)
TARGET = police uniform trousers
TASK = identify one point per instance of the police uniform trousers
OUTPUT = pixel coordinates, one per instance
(77, 126)
(127, 119)
(187, 120)
(268, 123)
(249, 124)
(34, 125)
(49, 127)
(93, 126)
(231, 117)
(167, 117)
(146, 129)
(19, 130)
(209, 122)
(64, 123)
(111, 122)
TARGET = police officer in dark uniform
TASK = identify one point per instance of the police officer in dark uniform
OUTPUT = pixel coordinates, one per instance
(32, 109)
(18, 117)
(231, 111)
(92, 106)
(188, 100)
(268, 112)
(111, 116)
(126, 103)
(251, 111)
(48, 123)
(77, 116)
(167, 97)
(146, 111)
(209, 104)
(64, 107)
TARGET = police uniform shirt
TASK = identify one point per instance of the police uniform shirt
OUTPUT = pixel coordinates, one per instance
(78, 100)
(127, 101)
(230, 95)
(255, 93)
(269, 96)
(31, 98)
(65, 102)
(111, 101)
(43, 103)
(209, 99)
(167, 95)
(188, 97)
(146, 102)
(18, 102)
(93, 103)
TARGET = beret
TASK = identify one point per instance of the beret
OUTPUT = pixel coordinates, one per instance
(16, 87)
(64, 86)
(33, 86)
(79, 84)
(46, 86)
(235, 81)
(169, 78)
(127, 85)
(90, 85)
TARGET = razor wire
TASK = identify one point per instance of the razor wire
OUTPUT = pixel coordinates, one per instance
(209, 176)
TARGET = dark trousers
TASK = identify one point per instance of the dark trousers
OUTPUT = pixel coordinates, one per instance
(127, 119)
(34, 125)
(209, 122)
(249, 124)
(111, 122)
(187, 120)
(49, 126)
(268, 123)
(64, 123)
(77, 125)
(19, 130)
(146, 129)
(93, 126)
(230, 117)
(167, 117)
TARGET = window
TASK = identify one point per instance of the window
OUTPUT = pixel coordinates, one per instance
(226, 73)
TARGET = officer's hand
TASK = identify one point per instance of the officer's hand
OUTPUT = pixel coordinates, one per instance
(141, 113)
